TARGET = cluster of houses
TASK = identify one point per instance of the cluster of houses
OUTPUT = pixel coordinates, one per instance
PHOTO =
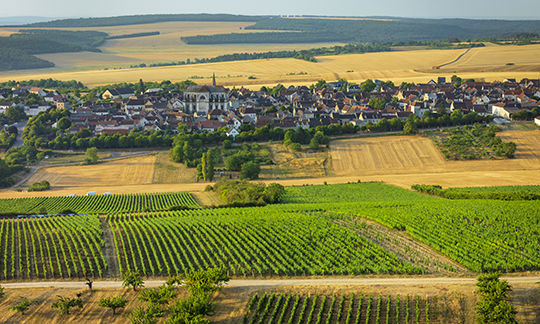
(211, 107)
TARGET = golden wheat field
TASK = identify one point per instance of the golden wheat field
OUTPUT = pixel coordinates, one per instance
(166, 47)
(411, 66)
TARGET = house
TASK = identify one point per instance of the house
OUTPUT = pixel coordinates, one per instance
(118, 93)
(537, 120)
(134, 104)
(232, 132)
(210, 125)
(40, 92)
(33, 110)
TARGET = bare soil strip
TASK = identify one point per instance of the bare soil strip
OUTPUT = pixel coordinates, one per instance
(406, 248)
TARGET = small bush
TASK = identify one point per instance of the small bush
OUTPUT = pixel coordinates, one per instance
(208, 188)
(40, 186)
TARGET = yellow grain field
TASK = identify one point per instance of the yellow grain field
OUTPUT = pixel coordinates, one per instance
(418, 155)
(166, 47)
(410, 66)
(129, 171)
(495, 59)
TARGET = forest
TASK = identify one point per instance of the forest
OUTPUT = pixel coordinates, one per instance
(140, 19)
(315, 30)
(17, 49)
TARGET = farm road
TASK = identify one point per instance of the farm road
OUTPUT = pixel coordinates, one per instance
(281, 282)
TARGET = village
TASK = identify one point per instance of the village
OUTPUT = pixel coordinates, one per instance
(213, 108)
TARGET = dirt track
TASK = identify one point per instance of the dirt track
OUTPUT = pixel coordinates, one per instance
(281, 282)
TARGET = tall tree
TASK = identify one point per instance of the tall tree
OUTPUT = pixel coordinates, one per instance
(141, 86)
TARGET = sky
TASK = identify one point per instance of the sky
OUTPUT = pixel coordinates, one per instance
(479, 9)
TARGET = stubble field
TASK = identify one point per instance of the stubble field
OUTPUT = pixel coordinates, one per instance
(129, 171)
(411, 65)
(415, 154)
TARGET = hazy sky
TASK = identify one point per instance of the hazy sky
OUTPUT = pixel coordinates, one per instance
(497, 9)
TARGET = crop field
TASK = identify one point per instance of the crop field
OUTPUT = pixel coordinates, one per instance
(165, 47)
(52, 247)
(495, 59)
(411, 66)
(97, 203)
(285, 308)
(318, 230)
(418, 155)
(248, 242)
(134, 170)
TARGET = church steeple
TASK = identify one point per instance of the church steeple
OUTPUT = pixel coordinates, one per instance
(214, 79)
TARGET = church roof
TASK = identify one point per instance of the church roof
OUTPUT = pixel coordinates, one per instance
(205, 88)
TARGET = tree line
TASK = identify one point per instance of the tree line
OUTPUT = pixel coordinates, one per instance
(134, 35)
(141, 19)
(452, 193)
(399, 29)
(307, 55)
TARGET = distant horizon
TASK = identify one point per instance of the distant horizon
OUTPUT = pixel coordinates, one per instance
(27, 19)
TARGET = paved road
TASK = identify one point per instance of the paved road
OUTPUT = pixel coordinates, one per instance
(20, 129)
(282, 282)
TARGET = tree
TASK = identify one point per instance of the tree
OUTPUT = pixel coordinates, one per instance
(22, 306)
(12, 130)
(148, 315)
(202, 281)
(227, 144)
(132, 279)
(141, 86)
(65, 303)
(161, 296)
(233, 162)
(207, 166)
(314, 144)
(368, 86)
(377, 103)
(91, 155)
(494, 307)
(295, 147)
(64, 123)
(410, 128)
(250, 170)
(113, 303)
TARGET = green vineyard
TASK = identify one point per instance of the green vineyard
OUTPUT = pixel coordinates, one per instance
(288, 308)
(248, 241)
(98, 204)
(319, 230)
(52, 247)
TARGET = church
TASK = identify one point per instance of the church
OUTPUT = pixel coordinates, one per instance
(203, 98)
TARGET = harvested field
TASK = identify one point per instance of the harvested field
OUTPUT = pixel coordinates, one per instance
(129, 171)
(415, 154)
(384, 155)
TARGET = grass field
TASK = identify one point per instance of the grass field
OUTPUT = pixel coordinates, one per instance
(167, 171)
(303, 164)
